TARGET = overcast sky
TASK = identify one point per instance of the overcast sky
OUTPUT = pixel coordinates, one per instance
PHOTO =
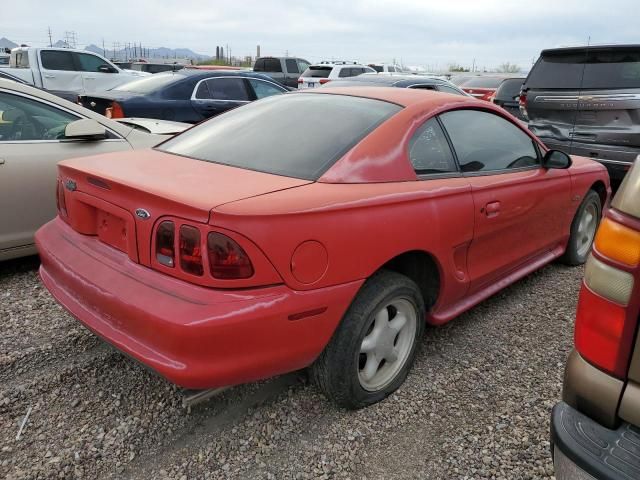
(418, 32)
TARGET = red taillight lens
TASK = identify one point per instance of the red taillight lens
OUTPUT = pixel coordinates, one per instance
(522, 102)
(324, 80)
(300, 80)
(600, 329)
(114, 111)
(165, 239)
(227, 259)
(190, 250)
(60, 200)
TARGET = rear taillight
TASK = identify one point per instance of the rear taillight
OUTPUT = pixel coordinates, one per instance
(604, 325)
(60, 200)
(227, 259)
(114, 111)
(600, 326)
(522, 102)
(190, 250)
(300, 80)
(165, 244)
(324, 80)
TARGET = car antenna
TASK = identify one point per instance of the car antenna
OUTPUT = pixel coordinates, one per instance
(579, 96)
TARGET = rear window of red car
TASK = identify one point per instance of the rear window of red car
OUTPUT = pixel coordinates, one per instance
(296, 135)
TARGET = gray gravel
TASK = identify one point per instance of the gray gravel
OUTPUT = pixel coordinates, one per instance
(475, 406)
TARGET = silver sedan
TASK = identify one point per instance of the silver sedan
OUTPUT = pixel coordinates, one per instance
(37, 130)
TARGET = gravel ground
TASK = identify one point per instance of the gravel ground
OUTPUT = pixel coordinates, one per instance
(476, 404)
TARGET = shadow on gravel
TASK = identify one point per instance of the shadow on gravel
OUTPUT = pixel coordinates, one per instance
(19, 265)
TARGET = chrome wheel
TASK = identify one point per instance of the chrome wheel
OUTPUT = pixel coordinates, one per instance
(586, 229)
(387, 344)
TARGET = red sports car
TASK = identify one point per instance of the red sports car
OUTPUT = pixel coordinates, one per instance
(321, 228)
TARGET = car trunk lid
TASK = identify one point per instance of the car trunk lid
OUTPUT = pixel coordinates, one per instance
(119, 197)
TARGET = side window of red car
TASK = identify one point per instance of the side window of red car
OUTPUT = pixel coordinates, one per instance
(429, 150)
(486, 142)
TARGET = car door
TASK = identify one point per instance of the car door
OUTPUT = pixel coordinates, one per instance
(291, 77)
(31, 144)
(520, 207)
(213, 96)
(97, 74)
(59, 72)
(449, 208)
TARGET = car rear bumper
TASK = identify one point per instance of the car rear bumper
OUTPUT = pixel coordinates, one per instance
(585, 450)
(194, 336)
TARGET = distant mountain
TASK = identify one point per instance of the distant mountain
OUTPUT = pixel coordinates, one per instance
(161, 52)
(6, 43)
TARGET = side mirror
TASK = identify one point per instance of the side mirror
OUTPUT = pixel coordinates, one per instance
(106, 69)
(556, 159)
(85, 129)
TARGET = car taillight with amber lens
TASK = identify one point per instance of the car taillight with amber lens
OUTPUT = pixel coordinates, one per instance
(227, 259)
(165, 240)
(190, 250)
(619, 243)
(604, 327)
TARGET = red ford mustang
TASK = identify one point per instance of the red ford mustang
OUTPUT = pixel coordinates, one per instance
(319, 229)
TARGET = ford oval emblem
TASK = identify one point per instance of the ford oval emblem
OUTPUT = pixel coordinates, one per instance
(142, 213)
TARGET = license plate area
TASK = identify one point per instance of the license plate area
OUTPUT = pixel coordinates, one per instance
(111, 230)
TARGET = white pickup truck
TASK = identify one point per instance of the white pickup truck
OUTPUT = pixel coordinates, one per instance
(67, 70)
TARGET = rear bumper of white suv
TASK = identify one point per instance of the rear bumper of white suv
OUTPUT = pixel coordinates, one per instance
(585, 450)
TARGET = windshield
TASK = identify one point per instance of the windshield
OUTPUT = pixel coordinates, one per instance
(317, 72)
(597, 68)
(296, 135)
(150, 84)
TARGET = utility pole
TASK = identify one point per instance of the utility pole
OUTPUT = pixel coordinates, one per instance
(104, 52)
(50, 40)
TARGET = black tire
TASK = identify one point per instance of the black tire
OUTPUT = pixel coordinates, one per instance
(336, 371)
(573, 254)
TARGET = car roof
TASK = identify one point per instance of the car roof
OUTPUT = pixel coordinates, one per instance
(404, 97)
(582, 48)
(392, 79)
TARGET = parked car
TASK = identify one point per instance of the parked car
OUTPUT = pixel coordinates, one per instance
(385, 68)
(507, 96)
(187, 95)
(586, 100)
(66, 70)
(240, 258)
(482, 87)
(150, 67)
(399, 81)
(324, 72)
(596, 428)
(154, 126)
(284, 70)
(38, 129)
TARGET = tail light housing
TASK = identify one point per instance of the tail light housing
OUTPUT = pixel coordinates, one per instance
(324, 80)
(300, 81)
(191, 250)
(209, 256)
(522, 102)
(165, 244)
(605, 325)
(114, 111)
(227, 259)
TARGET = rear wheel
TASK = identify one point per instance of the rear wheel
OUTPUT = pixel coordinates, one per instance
(583, 230)
(374, 347)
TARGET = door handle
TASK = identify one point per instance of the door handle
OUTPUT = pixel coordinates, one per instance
(492, 209)
(89, 78)
(49, 76)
